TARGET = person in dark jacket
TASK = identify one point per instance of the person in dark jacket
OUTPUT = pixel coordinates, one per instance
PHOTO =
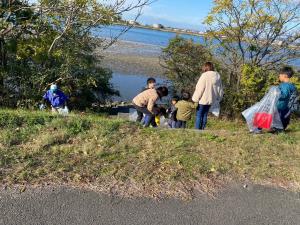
(172, 111)
(286, 91)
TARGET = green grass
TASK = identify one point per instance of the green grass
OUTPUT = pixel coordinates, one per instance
(113, 155)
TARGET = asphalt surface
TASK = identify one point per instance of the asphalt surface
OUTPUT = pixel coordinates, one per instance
(236, 206)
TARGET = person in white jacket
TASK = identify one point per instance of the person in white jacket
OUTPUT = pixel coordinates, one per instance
(209, 91)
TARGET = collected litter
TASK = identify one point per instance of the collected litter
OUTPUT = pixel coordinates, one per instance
(264, 114)
(63, 111)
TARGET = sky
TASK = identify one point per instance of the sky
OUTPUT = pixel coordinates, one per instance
(176, 13)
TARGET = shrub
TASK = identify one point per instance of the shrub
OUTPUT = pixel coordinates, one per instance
(183, 60)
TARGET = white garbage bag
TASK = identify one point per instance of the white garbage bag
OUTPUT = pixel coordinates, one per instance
(63, 111)
(264, 114)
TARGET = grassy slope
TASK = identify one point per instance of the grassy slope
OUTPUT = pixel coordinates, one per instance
(118, 156)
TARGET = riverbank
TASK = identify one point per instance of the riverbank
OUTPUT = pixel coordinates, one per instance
(134, 58)
(116, 156)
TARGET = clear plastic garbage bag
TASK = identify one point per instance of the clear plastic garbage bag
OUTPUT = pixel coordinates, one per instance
(63, 111)
(133, 115)
(215, 109)
(164, 122)
(264, 114)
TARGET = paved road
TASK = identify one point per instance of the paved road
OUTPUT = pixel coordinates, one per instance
(236, 206)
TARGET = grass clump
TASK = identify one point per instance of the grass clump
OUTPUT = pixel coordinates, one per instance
(118, 156)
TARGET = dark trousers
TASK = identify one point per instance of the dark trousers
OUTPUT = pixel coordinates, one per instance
(180, 124)
(150, 117)
(201, 116)
(285, 117)
(140, 116)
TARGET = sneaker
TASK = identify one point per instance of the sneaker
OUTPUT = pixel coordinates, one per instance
(257, 131)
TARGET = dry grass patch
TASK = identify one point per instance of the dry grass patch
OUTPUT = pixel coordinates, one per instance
(119, 157)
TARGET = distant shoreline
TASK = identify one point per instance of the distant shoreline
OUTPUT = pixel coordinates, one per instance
(180, 31)
(162, 29)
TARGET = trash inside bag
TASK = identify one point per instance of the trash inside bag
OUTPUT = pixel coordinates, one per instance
(163, 122)
(215, 109)
(63, 111)
(264, 114)
(133, 115)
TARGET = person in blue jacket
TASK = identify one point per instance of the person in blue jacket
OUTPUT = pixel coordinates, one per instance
(56, 98)
(286, 91)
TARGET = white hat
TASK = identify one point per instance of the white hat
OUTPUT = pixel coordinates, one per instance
(53, 87)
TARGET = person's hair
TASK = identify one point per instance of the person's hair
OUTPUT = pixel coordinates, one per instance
(287, 70)
(208, 66)
(175, 98)
(185, 95)
(151, 80)
(162, 111)
(162, 91)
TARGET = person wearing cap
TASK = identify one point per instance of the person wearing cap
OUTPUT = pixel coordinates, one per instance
(56, 98)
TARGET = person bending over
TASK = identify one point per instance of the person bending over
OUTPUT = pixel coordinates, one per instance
(145, 102)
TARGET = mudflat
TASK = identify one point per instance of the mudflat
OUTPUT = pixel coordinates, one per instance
(133, 58)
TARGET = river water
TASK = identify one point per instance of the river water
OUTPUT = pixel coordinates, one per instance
(141, 35)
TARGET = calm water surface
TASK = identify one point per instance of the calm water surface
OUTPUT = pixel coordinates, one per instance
(141, 35)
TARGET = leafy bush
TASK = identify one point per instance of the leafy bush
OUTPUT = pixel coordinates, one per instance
(183, 60)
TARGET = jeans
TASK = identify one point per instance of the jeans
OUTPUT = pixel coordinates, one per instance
(201, 116)
(150, 117)
(172, 123)
(180, 124)
(284, 118)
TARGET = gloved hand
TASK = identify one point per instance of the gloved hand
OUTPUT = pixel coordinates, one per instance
(42, 107)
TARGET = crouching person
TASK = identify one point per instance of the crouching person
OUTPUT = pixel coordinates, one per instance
(56, 98)
(145, 103)
(185, 109)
